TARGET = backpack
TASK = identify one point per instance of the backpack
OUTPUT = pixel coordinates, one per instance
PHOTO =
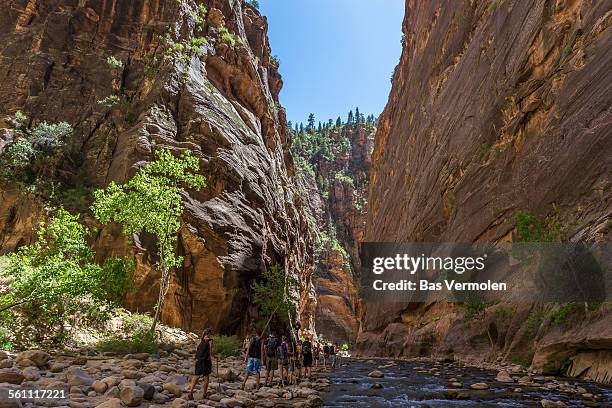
(332, 350)
(283, 350)
(306, 347)
(254, 347)
(271, 347)
(203, 352)
(325, 349)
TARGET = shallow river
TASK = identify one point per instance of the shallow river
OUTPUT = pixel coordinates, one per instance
(426, 384)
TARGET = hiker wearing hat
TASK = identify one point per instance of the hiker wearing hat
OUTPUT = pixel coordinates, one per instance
(203, 366)
(271, 349)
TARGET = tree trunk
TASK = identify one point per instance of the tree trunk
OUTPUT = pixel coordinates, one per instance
(163, 289)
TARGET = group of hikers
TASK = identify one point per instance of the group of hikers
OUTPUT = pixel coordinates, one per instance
(274, 353)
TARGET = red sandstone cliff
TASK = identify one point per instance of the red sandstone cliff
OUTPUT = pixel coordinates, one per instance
(496, 107)
(183, 85)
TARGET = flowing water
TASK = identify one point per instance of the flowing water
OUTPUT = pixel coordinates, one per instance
(426, 384)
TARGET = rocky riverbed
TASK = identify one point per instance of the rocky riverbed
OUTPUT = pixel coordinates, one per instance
(431, 383)
(141, 380)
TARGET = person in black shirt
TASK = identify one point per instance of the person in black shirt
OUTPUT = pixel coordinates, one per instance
(307, 352)
(203, 366)
(253, 355)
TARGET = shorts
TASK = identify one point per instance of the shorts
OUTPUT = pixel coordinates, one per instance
(307, 361)
(203, 367)
(271, 363)
(295, 365)
(284, 362)
(253, 365)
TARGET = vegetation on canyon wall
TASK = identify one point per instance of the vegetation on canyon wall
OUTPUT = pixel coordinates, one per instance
(333, 159)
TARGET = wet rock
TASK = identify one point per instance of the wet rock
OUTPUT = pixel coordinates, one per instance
(377, 386)
(552, 404)
(3, 355)
(376, 374)
(131, 396)
(456, 384)
(39, 357)
(479, 386)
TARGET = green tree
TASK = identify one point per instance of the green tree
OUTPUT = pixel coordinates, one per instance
(56, 279)
(276, 295)
(338, 122)
(349, 119)
(152, 201)
(311, 122)
(357, 115)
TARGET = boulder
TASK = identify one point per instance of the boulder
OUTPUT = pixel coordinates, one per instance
(31, 374)
(110, 403)
(25, 362)
(38, 357)
(479, 386)
(231, 402)
(148, 390)
(174, 389)
(6, 363)
(78, 376)
(376, 374)
(3, 355)
(99, 386)
(504, 377)
(552, 404)
(131, 396)
(11, 376)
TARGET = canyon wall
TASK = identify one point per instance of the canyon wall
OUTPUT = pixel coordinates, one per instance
(189, 77)
(334, 163)
(497, 107)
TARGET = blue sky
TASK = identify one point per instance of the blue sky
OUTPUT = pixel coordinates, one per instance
(335, 54)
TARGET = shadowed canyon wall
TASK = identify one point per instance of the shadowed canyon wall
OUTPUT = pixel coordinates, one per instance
(496, 107)
(185, 83)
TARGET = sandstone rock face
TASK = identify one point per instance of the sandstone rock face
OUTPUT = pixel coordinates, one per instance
(496, 108)
(181, 87)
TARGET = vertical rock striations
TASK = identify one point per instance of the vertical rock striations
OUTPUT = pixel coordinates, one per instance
(192, 75)
(496, 107)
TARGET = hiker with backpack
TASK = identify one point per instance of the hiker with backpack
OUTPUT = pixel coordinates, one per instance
(203, 366)
(253, 355)
(317, 353)
(271, 362)
(325, 354)
(332, 355)
(296, 362)
(284, 361)
(307, 351)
